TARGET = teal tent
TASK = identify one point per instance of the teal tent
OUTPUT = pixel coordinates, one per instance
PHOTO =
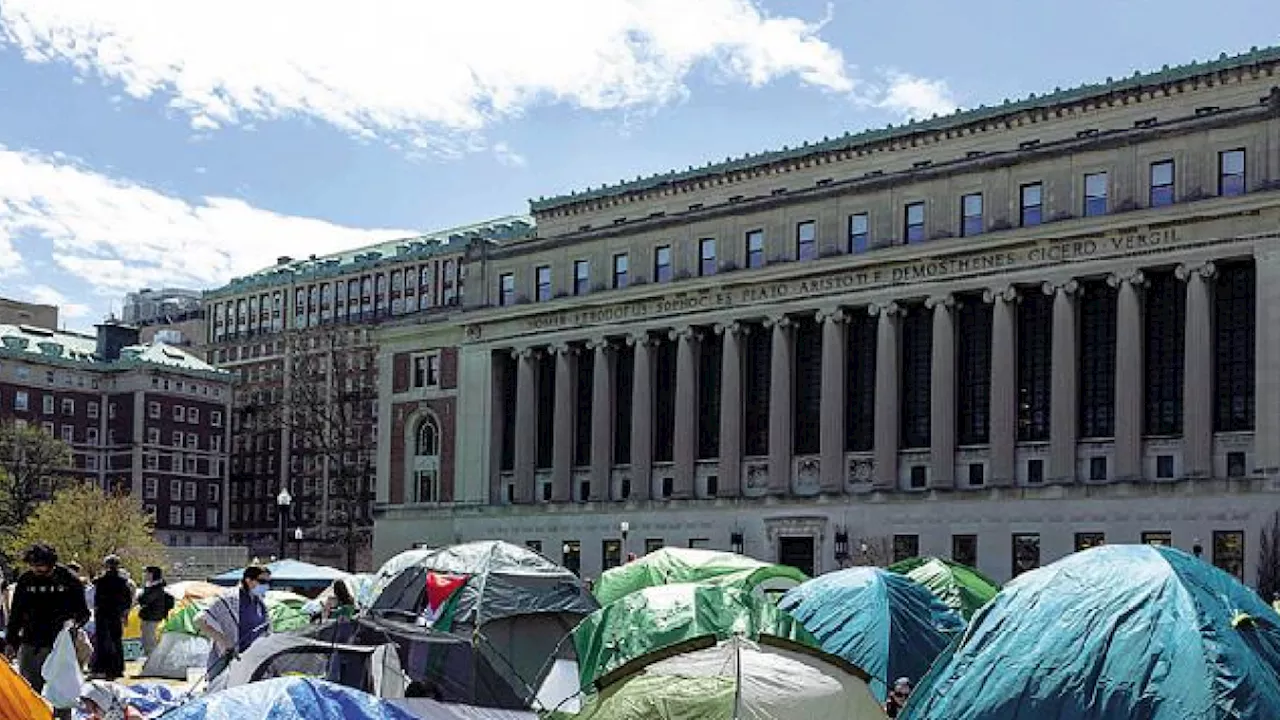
(1112, 633)
(882, 622)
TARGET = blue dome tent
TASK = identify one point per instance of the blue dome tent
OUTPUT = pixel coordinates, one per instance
(287, 699)
(1112, 633)
(883, 622)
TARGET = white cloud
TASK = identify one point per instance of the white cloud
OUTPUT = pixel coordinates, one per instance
(507, 156)
(916, 97)
(67, 310)
(425, 72)
(117, 236)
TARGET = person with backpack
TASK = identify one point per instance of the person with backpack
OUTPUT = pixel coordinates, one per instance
(154, 605)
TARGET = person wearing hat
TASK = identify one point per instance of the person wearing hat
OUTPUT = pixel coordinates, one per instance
(897, 697)
(112, 598)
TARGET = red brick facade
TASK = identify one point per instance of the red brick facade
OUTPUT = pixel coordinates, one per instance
(403, 436)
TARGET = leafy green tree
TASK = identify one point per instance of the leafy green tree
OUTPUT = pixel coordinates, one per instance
(32, 468)
(86, 524)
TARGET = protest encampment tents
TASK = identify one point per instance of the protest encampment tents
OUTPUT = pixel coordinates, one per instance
(958, 586)
(686, 565)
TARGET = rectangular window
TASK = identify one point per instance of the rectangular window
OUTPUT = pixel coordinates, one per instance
(611, 552)
(653, 545)
(1096, 188)
(506, 289)
(213, 493)
(1031, 205)
(964, 550)
(581, 276)
(179, 413)
(175, 490)
(905, 547)
(971, 215)
(1157, 537)
(153, 436)
(177, 439)
(93, 411)
(542, 280)
(68, 433)
(707, 257)
(1231, 173)
(1026, 552)
(1161, 183)
(755, 249)
(47, 402)
(175, 515)
(91, 436)
(571, 556)
(1086, 540)
(193, 441)
(621, 265)
(189, 516)
(149, 488)
(189, 492)
(859, 233)
(193, 415)
(215, 418)
(913, 217)
(211, 518)
(20, 400)
(426, 371)
(662, 263)
(806, 240)
(68, 407)
(1228, 552)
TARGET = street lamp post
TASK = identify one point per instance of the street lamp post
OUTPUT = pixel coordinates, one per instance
(297, 540)
(283, 501)
(625, 527)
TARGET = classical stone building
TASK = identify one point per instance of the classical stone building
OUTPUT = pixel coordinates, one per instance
(301, 337)
(142, 418)
(998, 336)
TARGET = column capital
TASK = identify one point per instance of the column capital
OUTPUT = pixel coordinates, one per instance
(525, 353)
(1205, 270)
(642, 339)
(1132, 276)
(1007, 293)
(889, 308)
(778, 321)
(564, 348)
(600, 344)
(1067, 287)
(732, 327)
(688, 332)
(946, 301)
(832, 314)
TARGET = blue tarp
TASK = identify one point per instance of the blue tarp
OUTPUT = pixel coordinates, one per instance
(288, 573)
(1112, 633)
(289, 699)
(883, 622)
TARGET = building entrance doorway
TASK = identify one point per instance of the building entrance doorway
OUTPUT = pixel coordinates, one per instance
(797, 552)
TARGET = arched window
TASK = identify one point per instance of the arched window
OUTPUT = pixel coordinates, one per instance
(426, 462)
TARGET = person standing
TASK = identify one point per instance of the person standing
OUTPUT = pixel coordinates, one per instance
(897, 697)
(112, 599)
(46, 598)
(239, 616)
(154, 605)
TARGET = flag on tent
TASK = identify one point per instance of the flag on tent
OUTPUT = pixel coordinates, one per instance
(441, 593)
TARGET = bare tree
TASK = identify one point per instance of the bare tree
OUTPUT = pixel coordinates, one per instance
(1269, 559)
(32, 467)
(328, 410)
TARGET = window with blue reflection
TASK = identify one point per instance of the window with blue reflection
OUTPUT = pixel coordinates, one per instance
(1031, 207)
(1161, 183)
(806, 241)
(859, 233)
(707, 256)
(755, 249)
(662, 264)
(1231, 173)
(914, 226)
(971, 215)
(1096, 188)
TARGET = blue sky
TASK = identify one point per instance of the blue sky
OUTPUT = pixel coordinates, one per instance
(158, 143)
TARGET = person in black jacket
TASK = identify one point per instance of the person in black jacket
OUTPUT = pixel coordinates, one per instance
(154, 605)
(46, 598)
(112, 599)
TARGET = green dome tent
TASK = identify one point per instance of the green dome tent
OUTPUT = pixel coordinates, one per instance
(659, 617)
(736, 678)
(680, 565)
(1112, 633)
(960, 587)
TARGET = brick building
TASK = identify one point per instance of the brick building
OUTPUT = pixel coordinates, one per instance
(300, 336)
(147, 418)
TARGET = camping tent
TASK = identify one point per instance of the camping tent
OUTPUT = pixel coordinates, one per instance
(680, 565)
(880, 621)
(182, 646)
(516, 604)
(658, 617)
(958, 586)
(392, 567)
(736, 678)
(287, 699)
(288, 573)
(17, 700)
(374, 669)
(1118, 631)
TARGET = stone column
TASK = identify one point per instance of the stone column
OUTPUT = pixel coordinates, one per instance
(566, 406)
(834, 397)
(685, 445)
(1063, 396)
(888, 393)
(781, 406)
(1266, 327)
(642, 417)
(942, 393)
(602, 411)
(1197, 378)
(498, 379)
(526, 429)
(730, 467)
(1004, 384)
(1129, 374)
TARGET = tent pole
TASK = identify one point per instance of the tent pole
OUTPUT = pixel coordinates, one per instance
(737, 674)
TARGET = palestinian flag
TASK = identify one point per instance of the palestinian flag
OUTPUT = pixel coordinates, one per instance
(440, 599)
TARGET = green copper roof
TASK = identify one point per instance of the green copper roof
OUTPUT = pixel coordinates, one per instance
(67, 349)
(452, 240)
(957, 119)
